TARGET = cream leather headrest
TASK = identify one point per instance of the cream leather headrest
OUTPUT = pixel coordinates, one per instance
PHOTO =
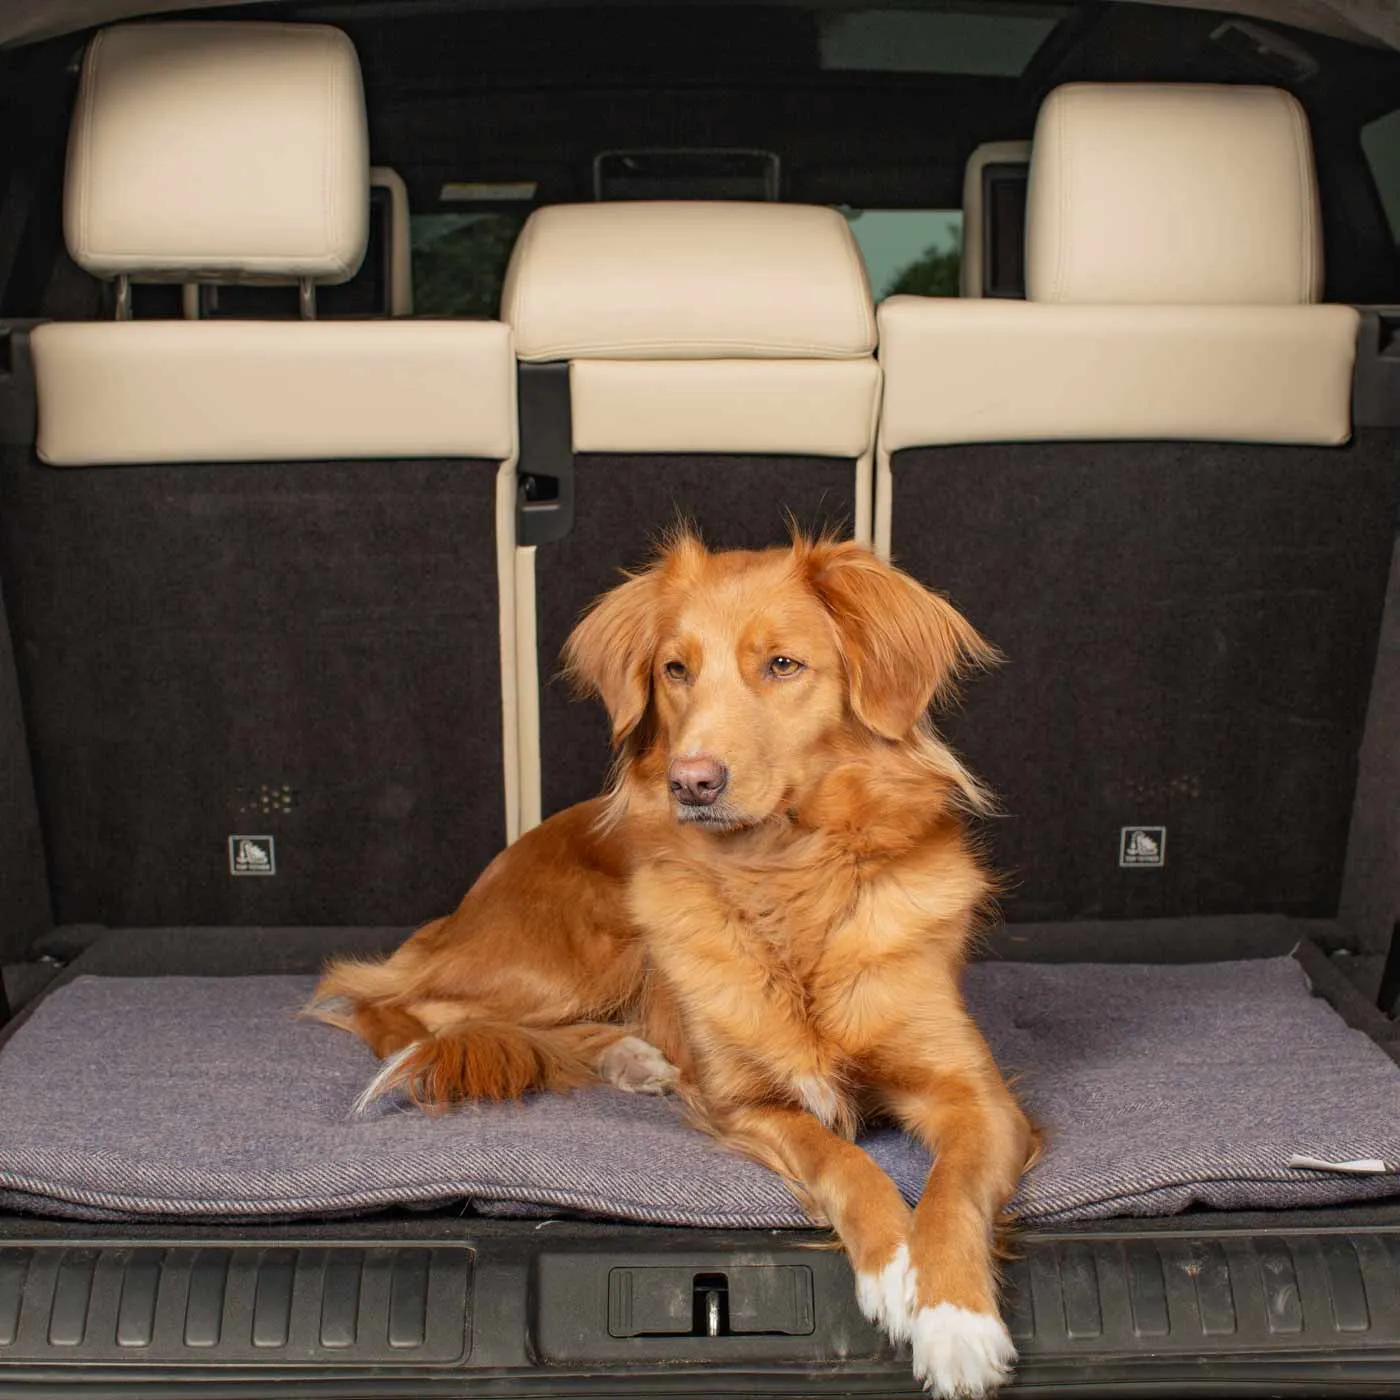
(1152, 193)
(231, 151)
(688, 280)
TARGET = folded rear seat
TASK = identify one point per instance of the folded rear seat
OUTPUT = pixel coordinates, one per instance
(706, 361)
(261, 604)
(1146, 484)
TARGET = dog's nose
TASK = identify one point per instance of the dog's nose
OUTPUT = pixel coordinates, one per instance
(696, 782)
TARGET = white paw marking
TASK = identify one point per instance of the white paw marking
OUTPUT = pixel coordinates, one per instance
(962, 1354)
(637, 1067)
(887, 1298)
(382, 1081)
(819, 1098)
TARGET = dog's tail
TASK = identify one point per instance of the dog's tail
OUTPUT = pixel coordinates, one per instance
(481, 1059)
(469, 1054)
(366, 999)
(349, 983)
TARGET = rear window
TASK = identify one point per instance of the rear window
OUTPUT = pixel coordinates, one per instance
(991, 41)
(915, 251)
(1381, 142)
(459, 261)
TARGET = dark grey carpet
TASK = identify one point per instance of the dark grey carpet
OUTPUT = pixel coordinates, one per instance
(1161, 1087)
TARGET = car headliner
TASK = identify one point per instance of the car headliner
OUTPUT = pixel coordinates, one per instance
(24, 21)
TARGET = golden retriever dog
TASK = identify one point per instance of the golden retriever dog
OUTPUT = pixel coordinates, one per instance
(768, 912)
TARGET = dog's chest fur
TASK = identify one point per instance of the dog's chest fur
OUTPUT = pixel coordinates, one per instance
(760, 959)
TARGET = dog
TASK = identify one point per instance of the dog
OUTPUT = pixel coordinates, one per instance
(767, 913)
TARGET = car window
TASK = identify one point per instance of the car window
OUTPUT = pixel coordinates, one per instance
(988, 40)
(1381, 142)
(918, 251)
(459, 261)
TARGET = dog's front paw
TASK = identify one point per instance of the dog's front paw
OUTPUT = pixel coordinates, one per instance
(637, 1067)
(960, 1354)
(886, 1295)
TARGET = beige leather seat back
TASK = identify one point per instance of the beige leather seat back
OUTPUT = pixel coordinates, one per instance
(720, 367)
(239, 153)
(1173, 263)
(323, 512)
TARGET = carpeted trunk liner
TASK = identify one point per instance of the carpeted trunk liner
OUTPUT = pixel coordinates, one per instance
(207, 1098)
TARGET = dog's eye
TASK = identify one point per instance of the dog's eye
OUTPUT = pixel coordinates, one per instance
(675, 670)
(784, 666)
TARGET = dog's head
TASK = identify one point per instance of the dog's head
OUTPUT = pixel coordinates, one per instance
(731, 678)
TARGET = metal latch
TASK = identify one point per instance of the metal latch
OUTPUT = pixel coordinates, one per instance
(743, 1300)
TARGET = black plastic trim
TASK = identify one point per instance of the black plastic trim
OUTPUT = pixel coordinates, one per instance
(695, 173)
(19, 414)
(486, 1308)
(1375, 394)
(234, 1304)
(544, 501)
(784, 1303)
(1004, 277)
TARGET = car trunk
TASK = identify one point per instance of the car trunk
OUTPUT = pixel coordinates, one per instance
(251, 715)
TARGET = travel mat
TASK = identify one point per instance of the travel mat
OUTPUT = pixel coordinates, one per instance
(1160, 1087)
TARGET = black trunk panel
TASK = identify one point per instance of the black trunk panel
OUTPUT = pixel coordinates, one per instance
(1190, 630)
(305, 651)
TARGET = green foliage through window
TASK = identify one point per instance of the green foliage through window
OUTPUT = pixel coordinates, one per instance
(459, 262)
(936, 272)
(916, 251)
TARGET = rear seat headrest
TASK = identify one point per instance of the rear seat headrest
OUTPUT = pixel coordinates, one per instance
(976, 216)
(231, 151)
(688, 280)
(1176, 193)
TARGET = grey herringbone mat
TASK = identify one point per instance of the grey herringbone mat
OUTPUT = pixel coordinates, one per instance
(208, 1098)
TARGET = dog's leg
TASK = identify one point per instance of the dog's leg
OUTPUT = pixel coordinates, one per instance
(838, 1181)
(479, 1058)
(982, 1143)
(618, 1056)
(636, 1066)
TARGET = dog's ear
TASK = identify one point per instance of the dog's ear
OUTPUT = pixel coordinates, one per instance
(609, 653)
(902, 644)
